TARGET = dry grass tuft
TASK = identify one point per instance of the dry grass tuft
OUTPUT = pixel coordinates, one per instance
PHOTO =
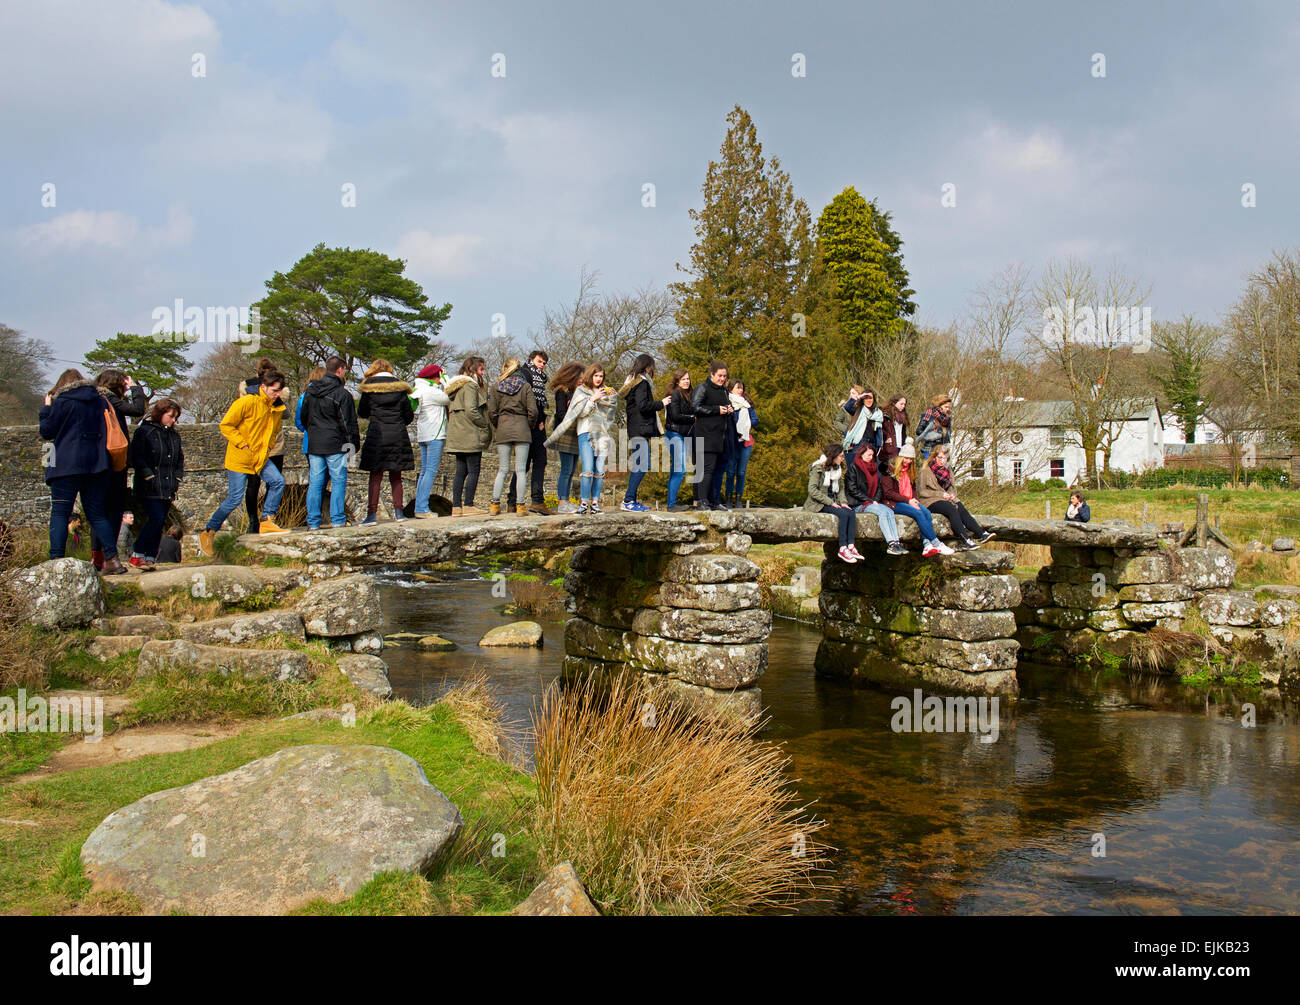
(480, 713)
(662, 812)
(1160, 650)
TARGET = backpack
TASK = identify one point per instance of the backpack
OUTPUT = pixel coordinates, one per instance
(116, 440)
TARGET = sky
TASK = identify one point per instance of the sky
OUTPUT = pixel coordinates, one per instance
(194, 149)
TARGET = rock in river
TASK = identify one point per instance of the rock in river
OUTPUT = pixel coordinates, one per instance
(518, 633)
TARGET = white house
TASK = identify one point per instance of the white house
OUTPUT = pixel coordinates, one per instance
(1040, 444)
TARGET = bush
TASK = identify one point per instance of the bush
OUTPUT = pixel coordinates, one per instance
(1210, 478)
(668, 815)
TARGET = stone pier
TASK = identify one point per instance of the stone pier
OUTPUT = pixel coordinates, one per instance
(686, 616)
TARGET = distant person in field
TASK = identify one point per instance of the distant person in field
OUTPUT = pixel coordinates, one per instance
(1078, 510)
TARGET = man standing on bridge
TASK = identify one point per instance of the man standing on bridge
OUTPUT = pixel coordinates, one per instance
(251, 425)
(329, 415)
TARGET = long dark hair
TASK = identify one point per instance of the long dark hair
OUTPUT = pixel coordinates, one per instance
(731, 389)
(642, 364)
(891, 409)
(567, 377)
(114, 380)
(470, 368)
(832, 451)
(161, 407)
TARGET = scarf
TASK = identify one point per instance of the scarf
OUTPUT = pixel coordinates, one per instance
(742, 416)
(858, 431)
(830, 477)
(942, 475)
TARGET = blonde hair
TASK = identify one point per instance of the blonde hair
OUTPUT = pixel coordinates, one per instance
(378, 366)
(896, 465)
(511, 366)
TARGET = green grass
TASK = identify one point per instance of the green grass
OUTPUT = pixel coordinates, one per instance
(40, 871)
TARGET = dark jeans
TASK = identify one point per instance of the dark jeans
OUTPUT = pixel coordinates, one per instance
(253, 488)
(537, 463)
(706, 489)
(63, 495)
(376, 482)
(958, 517)
(737, 465)
(146, 545)
(466, 478)
(848, 523)
(117, 498)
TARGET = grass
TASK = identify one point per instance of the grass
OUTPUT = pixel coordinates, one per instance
(664, 813)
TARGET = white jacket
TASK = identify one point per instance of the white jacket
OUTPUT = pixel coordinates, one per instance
(593, 416)
(431, 404)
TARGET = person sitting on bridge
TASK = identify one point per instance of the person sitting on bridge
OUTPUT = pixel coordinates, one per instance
(896, 487)
(826, 495)
(862, 486)
(1078, 510)
(934, 489)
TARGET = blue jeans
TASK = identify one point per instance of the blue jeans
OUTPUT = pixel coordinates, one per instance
(430, 458)
(146, 545)
(238, 482)
(564, 486)
(638, 463)
(737, 465)
(63, 494)
(676, 464)
(922, 517)
(885, 517)
(593, 469)
(337, 466)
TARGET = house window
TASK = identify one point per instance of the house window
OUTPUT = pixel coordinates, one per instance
(977, 469)
(1018, 471)
(1056, 438)
(1058, 467)
(979, 438)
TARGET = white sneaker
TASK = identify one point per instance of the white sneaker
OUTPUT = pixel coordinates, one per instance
(930, 551)
(944, 549)
(566, 507)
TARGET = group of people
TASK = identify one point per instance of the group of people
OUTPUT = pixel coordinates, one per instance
(875, 468)
(91, 457)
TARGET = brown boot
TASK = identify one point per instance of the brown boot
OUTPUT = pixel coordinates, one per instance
(539, 508)
(494, 507)
(268, 526)
(473, 511)
(112, 567)
(206, 539)
(457, 511)
(521, 510)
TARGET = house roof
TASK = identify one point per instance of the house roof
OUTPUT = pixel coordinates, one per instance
(1034, 414)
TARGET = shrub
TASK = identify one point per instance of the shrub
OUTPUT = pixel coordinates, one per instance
(666, 814)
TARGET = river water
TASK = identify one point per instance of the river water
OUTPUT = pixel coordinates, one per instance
(1100, 795)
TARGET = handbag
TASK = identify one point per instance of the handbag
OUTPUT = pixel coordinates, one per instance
(116, 440)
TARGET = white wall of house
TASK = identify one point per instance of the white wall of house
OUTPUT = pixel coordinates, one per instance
(1053, 452)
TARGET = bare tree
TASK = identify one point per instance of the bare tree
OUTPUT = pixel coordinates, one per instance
(1087, 325)
(1264, 343)
(23, 381)
(214, 382)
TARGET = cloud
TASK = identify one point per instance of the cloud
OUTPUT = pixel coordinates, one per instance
(435, 256)
(111, 229)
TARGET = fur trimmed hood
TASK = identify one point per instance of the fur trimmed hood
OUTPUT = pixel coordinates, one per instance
(383, 382)
(103, 391)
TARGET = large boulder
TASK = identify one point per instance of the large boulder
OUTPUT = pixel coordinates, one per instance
(277, 664)
(518, 633)
(304, 823)
(1204, 568)
(240, 629)
(345, 606)
(148, 625)
(58, 594)
(227, 583)
(369, 673)
(110, 647)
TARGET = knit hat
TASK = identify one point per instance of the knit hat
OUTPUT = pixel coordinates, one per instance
(431, 372)
(908, 451)
(939, 400)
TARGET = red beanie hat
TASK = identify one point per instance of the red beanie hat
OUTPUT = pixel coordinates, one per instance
(431, 372)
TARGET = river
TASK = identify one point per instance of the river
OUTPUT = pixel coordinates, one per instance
(1195, 812)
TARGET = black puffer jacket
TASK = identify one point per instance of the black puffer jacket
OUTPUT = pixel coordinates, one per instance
(680, 417)
(641, 407)
(386, 402)
(74, 420)
(711, 425)
(330, 417)
(158, 459)
(135, 407)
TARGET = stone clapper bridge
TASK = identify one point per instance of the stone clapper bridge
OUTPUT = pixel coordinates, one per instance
(673, 595)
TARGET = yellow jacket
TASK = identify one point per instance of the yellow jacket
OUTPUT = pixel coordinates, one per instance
(251, 425)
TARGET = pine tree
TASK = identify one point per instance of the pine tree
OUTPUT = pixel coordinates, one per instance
(744, 302)
(860, 285)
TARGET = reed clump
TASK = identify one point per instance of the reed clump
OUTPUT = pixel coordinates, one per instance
(665, 812)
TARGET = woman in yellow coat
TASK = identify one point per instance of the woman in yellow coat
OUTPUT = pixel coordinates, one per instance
(251, 425)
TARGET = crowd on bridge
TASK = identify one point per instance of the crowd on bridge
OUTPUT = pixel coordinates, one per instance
(880, 465)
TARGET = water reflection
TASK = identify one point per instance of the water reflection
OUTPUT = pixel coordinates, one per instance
(1198, 813)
